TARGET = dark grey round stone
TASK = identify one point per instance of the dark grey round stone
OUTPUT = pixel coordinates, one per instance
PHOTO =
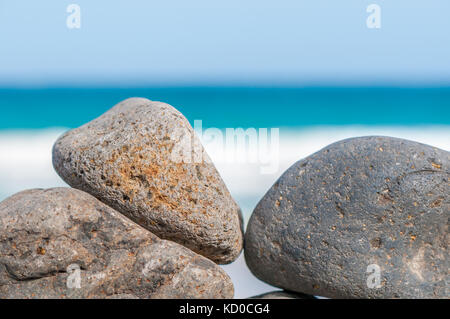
(359, 206)
(283, 295)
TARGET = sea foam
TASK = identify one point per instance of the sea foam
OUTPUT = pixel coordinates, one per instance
(25, 156)
(248, 185)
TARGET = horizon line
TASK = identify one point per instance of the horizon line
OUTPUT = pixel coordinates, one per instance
(227, 85)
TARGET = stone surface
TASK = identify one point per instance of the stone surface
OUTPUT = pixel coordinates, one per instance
(357, 203)
(47, 237)
(283, 295)
(143, 159)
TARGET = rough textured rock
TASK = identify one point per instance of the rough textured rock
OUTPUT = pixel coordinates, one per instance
(47, 237)
(359, 202)
(143, 159)
(283, 295)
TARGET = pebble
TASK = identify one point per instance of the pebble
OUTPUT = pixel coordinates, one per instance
(143, 159)
(63, 243)
(362, 218)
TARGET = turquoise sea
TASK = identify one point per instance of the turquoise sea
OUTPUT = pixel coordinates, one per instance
(234, 107)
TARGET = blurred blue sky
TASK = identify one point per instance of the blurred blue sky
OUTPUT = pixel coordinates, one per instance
(139, 43)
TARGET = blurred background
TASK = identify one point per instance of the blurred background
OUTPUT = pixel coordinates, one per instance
(314, 69)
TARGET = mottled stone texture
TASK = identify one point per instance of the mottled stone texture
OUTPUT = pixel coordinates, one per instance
(43, 232)
(134, 159)
(283, 295)
(361, 201)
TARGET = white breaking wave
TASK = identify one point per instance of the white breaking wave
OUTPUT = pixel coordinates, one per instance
(25, 156)
(26, 160)
(248, 185)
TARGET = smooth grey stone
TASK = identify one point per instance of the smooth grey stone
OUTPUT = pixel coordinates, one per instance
(283, 295)
(134, 159)
(333, 218)
(49, 237)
